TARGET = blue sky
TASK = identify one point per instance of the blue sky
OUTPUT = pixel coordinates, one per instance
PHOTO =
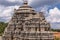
(51, 9)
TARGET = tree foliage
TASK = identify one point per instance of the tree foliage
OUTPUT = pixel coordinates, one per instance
(56, 30)
(2, 27)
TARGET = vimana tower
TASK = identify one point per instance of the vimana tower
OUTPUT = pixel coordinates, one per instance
(27, 24)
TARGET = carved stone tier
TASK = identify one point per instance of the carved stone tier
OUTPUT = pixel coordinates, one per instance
(27, 24)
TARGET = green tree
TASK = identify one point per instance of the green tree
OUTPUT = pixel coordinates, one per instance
(2, 27)
(56, 30)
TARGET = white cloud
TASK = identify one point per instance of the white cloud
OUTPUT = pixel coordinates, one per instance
(7, 12)
(55, 25)
(29, 1)
(40, 3)
(14, 0)
(11, 0)
(54, 15)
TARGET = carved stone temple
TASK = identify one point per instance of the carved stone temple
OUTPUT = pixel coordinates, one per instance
(27, 24)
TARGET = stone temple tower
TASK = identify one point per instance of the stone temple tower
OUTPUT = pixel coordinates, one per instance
(27, 24)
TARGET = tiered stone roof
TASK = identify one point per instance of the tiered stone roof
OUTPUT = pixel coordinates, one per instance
(27, 24)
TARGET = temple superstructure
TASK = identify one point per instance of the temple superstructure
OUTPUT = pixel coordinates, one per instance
(27, 24)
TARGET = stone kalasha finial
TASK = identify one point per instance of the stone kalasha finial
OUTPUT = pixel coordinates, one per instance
(25, 1)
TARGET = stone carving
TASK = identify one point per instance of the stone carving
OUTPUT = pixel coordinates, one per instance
(27, 24)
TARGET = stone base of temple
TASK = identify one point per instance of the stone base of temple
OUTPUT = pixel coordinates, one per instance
(30, 36)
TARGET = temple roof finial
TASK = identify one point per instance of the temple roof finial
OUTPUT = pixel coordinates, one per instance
(25, 2)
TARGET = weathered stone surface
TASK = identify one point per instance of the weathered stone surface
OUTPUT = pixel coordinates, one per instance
(0, 37)
(27, 24)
